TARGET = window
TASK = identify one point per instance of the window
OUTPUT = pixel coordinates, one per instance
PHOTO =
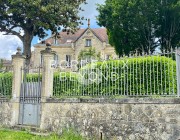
(55, 41)
(56, 58)
(108, 57)
(88, 42)
(41, 60)
(68, 60)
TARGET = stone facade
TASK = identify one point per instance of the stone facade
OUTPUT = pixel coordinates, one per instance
(5, 114)
(122, 119)
(73, 44)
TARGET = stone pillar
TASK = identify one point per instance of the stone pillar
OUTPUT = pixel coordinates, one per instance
(47, 75)
(18, 62)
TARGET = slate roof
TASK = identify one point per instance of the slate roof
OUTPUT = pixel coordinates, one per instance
(100, 33)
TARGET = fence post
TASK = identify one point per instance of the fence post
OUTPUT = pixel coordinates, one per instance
(47, 74)
(178, 71)
(18, 62)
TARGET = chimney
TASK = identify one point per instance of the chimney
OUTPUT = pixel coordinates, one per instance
(88, 23)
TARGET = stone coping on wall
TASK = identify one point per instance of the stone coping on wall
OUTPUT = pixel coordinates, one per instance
(2, 100)
(116, 101)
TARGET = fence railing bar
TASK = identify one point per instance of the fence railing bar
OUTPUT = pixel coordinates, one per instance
(154, 75)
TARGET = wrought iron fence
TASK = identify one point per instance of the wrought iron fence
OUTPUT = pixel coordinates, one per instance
(134, 75)
(5, 85)
(31, 84)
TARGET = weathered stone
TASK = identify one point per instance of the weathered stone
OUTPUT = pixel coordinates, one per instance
(148, 110)
(111, 120)
(134, 121)
(5, 114)
(127, 109)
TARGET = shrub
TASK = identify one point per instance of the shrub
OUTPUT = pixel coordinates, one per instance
(65, 83)
(33, 77)
(153, 75)
(5, 84)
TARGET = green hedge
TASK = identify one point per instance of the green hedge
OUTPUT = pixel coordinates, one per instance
(138, 76)
(65, 83)
(130, 76)
(154, 75)
(5, 84)
(33, 77)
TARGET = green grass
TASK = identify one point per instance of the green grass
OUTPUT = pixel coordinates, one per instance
(23, 135)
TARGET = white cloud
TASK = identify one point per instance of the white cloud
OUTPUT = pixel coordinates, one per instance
(8, 45)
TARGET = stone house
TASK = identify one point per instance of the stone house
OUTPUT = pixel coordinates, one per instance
(6, 65)
(68, 46)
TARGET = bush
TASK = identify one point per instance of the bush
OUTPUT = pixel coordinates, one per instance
(143, 75)
(65, 83)
(153, 75)
(6, 84)
(33, 77)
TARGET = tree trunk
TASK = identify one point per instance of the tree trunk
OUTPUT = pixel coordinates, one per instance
(27, 39)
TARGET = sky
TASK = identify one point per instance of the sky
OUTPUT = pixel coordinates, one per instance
(9, 44)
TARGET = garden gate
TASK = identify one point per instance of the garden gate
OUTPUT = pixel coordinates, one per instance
(30, 96)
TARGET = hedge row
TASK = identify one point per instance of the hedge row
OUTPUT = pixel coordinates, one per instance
(155, 75)
(5, 84)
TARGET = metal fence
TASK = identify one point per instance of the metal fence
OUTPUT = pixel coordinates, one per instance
(5, 85)
(31, 84)
(133, 75)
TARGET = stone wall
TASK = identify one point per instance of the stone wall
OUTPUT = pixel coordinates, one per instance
(5, 114)
(115, 119)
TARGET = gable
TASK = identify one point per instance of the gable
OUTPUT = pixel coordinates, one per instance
(65, 38)
(99, 33)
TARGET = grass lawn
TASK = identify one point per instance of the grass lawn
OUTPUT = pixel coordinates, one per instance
(23, 135)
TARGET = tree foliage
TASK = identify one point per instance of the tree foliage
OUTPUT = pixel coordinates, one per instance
(141, 24)
(33, 17)
(88, 54)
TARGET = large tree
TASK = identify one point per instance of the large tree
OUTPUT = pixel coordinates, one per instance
(168, 32)
(137, 24)
(33, 17)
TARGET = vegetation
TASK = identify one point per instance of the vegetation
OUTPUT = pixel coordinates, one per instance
(154, 75)
(88, 54)
(27, 19)
(141, 24)
(5, 84)
(151, 75)
(20, 135)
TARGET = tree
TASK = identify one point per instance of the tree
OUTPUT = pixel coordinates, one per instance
(88, 54)
(168, 32)
(33, 17)
(135, 24)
